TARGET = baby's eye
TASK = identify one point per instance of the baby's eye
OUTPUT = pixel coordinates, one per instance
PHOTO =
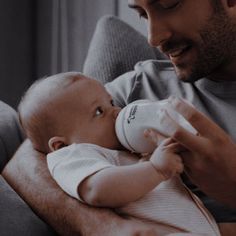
(112, 103)
(99, 111)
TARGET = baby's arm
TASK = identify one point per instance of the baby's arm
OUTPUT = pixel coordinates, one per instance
(117, 186)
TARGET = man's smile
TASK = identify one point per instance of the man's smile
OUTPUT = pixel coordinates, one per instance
(177, 51)
(178, 54)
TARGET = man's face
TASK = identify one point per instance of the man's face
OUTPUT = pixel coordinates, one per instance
(197, 35)
(89, 113)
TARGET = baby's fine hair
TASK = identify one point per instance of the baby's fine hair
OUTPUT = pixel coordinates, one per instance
(35, 109)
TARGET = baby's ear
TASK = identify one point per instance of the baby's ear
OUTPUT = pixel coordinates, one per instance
(56, 143)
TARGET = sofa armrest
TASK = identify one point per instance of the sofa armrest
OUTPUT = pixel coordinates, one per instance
(11, 135)
(16, 218)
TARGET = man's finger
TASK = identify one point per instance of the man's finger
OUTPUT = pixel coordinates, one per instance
(198, 120)
(180, 168)
(189, 140)
(175, 147)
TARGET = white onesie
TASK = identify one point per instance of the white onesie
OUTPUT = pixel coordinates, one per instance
(170, 205)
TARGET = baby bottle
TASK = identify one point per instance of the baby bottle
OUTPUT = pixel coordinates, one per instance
(140, 115)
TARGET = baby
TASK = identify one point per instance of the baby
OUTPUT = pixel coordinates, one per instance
(72, 118)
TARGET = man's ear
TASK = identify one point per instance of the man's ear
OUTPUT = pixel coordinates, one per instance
(56, 143)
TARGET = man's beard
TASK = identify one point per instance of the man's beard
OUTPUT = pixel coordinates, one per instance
(216, 48)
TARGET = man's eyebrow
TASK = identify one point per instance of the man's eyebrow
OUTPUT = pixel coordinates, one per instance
(131, 3)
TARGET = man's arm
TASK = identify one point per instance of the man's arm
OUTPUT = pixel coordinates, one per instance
(28, 174)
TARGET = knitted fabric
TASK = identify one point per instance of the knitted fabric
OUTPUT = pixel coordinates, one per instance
(115, 48)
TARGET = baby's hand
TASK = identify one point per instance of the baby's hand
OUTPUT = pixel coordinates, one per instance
(166, 160)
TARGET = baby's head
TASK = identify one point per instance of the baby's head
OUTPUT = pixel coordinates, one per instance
(68, 108)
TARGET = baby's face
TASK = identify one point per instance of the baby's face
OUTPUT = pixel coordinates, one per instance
(92, 116)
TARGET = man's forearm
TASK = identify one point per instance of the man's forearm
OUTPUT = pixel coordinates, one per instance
(27, 173)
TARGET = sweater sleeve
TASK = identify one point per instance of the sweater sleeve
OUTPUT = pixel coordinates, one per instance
(149, 80)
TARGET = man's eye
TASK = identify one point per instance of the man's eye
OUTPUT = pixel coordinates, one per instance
(169, 4)
(142, 14)
(99, 111)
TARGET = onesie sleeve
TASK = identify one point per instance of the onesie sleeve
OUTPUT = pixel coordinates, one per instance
(69, 166)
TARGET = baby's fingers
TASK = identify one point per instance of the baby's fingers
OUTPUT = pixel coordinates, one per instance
(174, 148)
(154, 136)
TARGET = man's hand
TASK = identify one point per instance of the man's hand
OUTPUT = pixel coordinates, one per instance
(210, 161)
(166, 159)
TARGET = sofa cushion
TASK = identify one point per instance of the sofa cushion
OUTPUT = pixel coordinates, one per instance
(16, 218)
(11, 135)
(115, 48)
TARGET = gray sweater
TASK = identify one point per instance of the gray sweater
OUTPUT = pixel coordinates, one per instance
(156, 80)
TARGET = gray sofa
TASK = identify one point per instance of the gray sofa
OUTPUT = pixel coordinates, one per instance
(115, 49)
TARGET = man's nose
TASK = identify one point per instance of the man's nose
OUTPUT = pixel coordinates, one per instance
(158, 31)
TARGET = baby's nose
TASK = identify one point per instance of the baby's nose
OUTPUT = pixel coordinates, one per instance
(116, 111)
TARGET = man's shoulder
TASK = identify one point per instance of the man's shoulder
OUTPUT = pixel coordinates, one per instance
(150, 79)
(149, 69)
(156, 71)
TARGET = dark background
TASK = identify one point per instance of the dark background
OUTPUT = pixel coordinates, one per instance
(44, 37)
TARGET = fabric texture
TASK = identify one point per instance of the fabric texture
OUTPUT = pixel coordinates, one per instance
(170, 204)
(16, 218)
(11, 135)
(156, 80)
(115, 48)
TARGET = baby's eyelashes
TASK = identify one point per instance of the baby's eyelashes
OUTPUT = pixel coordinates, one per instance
(112, 103)
(99, 111)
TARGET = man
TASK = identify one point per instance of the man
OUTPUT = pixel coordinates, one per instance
(199, 38)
